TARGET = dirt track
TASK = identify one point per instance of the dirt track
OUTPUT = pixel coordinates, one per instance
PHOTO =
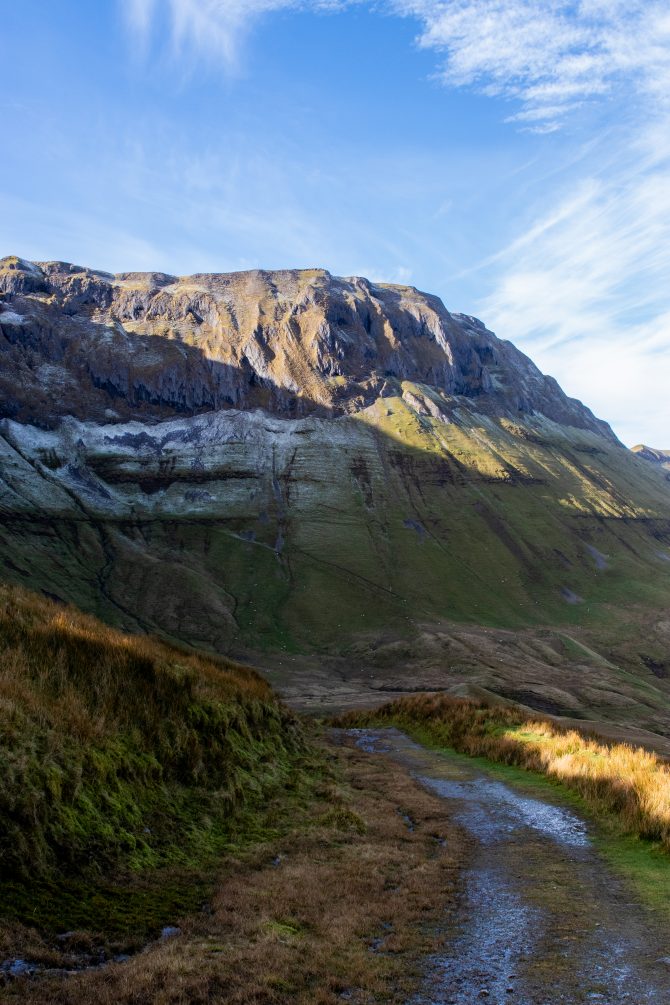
(542, 919)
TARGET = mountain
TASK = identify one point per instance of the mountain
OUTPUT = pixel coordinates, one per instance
(149, 346)
(661, 457)
(340, 479)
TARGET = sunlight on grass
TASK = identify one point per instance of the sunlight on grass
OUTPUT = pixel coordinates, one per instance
(630, 784)
(122, 756)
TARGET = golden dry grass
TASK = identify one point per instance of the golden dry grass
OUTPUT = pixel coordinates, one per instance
(629, 783)
(296, 920)
(65, 667)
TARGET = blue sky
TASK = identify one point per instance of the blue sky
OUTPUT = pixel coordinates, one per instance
(511, 156)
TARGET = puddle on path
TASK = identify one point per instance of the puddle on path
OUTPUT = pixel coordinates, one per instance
(542, 920)
(484, 960)
(492, 810)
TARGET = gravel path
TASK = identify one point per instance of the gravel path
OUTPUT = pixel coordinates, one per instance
(542, 920)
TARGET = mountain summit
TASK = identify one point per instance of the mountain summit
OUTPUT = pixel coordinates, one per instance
(653, 455)
(294, 343)
(291, 463)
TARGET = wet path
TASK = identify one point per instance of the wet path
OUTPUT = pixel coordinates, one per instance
(543, 921)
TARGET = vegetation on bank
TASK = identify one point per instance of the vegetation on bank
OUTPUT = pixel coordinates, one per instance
(341, 898)
(629, 784)
(122, 756)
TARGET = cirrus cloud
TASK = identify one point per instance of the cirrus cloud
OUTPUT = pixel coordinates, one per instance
(549, 57)
(213, 29)
(583, 284)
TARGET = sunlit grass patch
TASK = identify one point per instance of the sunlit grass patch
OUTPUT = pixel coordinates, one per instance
(629, 784)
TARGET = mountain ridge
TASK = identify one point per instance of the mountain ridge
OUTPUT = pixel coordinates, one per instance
(293, 342)
(339, 480)
(653, 455)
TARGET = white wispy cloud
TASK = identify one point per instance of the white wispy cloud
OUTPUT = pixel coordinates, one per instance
(549, 57)
(213, 29)
(583, 286)
(585, 291)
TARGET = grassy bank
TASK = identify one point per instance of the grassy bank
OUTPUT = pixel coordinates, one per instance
(629, 785)
(341, 900)
(121, 759)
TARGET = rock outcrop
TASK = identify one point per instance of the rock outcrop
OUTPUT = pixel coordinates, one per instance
(294, 343)
(659, 457)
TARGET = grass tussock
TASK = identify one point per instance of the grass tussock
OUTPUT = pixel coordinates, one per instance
(628, 784)
(120, 752)
(342, 903)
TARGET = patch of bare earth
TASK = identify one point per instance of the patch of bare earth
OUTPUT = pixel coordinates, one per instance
(343, 907)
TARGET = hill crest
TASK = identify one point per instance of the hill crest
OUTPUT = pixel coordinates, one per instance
(110, 348)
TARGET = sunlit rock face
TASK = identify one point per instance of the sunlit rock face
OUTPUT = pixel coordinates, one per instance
(294, 343)
(293, 462)
(654, 456)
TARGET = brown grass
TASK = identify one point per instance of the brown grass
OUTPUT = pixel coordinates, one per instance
(297, 920)
(119, 752)
(628, 783)
(66, 668)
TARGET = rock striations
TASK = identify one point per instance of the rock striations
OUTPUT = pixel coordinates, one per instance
(290, 462)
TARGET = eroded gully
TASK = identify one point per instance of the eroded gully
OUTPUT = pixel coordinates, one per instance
(542, 919)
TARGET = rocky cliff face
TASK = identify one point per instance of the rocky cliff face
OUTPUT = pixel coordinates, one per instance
(108, 348)
(289, 463)
(661, 458)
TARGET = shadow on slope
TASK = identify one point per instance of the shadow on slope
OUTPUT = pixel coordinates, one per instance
(355, 538)
(127, 766)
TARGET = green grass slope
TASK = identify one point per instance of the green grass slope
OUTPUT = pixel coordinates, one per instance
(121, 757)
(247, 534)
(311, 532)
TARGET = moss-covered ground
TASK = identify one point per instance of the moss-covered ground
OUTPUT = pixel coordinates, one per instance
(331, 897)
(127, 768)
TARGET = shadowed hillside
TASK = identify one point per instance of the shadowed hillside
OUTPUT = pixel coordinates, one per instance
(121, 756)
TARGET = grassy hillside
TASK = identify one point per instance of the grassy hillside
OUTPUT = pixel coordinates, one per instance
(277, 540)
(294, 464)
(121, 757)
(244, 531)
(144, 786)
